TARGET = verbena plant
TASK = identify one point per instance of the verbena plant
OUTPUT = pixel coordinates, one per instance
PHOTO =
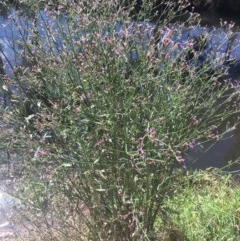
(107, 106)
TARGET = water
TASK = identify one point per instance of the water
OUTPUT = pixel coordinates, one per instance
(15, 27)
(12, 32)
(223, 154)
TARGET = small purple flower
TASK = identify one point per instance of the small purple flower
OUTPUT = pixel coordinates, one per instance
(139, 147)
(99, 143)
(180, 159)
(191, 144)
(152, 133)
(132, 162)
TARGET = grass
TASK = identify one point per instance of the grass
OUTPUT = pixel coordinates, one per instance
(207, 209)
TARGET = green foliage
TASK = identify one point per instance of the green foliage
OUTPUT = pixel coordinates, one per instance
(102, 133)
(207, 209)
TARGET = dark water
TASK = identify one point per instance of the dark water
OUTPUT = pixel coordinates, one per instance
(214, 19)
(225, 153)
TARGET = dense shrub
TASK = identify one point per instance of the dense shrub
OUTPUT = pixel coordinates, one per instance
(105, 110)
